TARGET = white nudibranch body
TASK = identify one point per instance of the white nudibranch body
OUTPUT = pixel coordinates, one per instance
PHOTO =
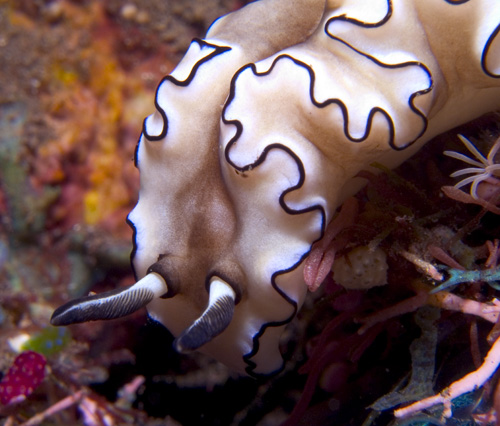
(255, 142)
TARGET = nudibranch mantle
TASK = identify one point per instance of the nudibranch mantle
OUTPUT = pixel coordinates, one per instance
(256, 140)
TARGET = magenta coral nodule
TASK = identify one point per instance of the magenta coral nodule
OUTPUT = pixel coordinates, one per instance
(25, 375)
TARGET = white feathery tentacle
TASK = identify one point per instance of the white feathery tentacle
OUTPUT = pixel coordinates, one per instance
(112, 304)
(213, 321)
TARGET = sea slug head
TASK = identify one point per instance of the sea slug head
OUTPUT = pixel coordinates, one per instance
(257, 138)
(217, 250)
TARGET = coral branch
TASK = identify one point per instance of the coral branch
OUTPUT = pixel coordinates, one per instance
(458, 195)
(320, 260)
(428, 268)
(439, 254)
(409, 305)
(467, 384)
(494, 253)
(63, 404)
(443, 300)
(453, 302)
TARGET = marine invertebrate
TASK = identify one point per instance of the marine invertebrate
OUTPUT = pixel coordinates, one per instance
(485, 179)
(23, 377)
(258, 137)
(485, 170)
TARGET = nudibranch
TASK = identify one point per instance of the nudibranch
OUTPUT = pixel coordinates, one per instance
(257, 138)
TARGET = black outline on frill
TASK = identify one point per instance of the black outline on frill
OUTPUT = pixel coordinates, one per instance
(134, 244)
(382, 65)
(239, 130)
(486, 48)
(182, 83)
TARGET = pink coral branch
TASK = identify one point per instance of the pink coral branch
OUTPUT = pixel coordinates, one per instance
(467, 384)
(408, 305)
(439, 254)
(458, 195)
(494, 254)
(428, 268)
(453, 302)
(320, 260)
(63, 404)
(443, 300)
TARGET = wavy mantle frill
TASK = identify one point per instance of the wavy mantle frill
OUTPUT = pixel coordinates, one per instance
(256, 140)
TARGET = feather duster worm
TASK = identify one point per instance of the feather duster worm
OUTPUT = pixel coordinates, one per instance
(256, 139)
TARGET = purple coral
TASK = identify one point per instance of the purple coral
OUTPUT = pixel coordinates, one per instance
(23, 377)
